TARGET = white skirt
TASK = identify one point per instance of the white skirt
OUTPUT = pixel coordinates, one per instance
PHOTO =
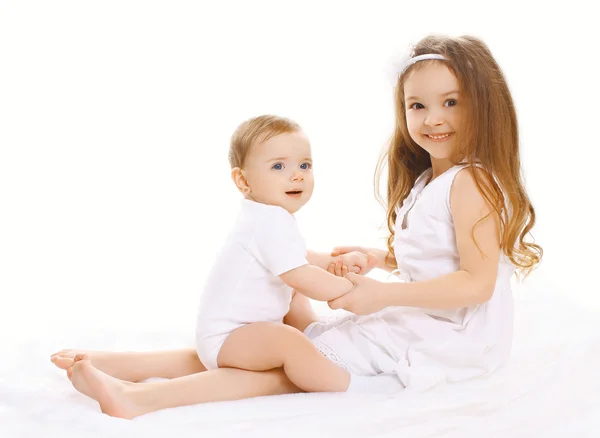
(342, 342)
(417, 350)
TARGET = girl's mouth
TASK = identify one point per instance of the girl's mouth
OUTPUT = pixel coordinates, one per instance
(439, 137)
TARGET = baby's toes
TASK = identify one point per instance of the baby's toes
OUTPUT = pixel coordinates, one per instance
(59, 353)
(79, 357)
(63, 362)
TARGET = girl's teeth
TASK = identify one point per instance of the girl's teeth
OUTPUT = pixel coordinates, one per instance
(438, 137)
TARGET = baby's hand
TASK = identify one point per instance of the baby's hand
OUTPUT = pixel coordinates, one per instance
(356, 262)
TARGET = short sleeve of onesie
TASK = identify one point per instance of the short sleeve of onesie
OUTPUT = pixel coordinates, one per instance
(277, 243)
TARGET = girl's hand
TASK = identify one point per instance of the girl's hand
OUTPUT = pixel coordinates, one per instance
(339, 250)
(356, 262)
(364, 298)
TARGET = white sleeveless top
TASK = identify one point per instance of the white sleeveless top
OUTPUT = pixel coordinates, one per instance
(424, 347)
(464, 342)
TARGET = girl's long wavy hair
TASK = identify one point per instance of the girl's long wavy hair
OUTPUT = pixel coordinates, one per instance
(488, 135)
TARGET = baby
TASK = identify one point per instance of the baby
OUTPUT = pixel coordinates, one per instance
(249, 289)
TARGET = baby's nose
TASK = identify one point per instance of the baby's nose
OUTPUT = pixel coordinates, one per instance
(297, 176)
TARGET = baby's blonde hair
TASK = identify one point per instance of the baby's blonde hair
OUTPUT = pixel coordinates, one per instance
(257, 129)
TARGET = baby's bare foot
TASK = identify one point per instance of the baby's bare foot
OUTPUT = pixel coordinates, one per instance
(109, 392)
(64, 359)
(82, 388)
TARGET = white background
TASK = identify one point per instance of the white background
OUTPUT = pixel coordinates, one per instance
(115, 120)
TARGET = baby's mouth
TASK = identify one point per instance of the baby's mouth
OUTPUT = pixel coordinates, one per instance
(294, 193)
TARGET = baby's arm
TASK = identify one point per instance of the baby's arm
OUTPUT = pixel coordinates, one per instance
(316, 283)
(320, 259)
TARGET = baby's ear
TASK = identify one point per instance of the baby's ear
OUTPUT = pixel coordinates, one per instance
(237, 175)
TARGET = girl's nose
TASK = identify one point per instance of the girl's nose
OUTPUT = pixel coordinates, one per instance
(434, 119)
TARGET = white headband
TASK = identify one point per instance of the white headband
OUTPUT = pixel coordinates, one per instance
(411, 61)
(399, 66)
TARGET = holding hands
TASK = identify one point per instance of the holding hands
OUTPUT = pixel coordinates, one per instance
(351, 259)
(365, 297)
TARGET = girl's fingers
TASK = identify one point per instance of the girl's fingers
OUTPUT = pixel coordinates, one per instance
(338, 250)
(336, 304)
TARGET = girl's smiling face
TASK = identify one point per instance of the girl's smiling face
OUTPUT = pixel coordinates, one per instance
(433, 108)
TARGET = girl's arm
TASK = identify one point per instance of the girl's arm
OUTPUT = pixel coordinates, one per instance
(316, 283)
(472, 284)
(385, 260)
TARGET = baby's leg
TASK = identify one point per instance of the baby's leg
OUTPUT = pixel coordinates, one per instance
(136, 366)
(301, 313)
(263, 346)
(128, 400)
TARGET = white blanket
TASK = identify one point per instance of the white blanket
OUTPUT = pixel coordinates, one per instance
(550, 388)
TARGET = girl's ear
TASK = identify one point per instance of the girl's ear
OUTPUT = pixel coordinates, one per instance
(239, 179)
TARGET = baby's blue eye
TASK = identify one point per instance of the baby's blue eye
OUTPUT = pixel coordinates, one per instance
(277, 166)
(305, 166)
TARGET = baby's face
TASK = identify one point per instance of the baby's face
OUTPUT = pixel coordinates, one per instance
(279, 171)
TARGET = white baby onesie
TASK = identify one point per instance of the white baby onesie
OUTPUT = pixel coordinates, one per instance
(243, 286)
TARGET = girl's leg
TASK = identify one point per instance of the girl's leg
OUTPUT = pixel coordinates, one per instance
(264, 346)
(128, 400)
(136, 366)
